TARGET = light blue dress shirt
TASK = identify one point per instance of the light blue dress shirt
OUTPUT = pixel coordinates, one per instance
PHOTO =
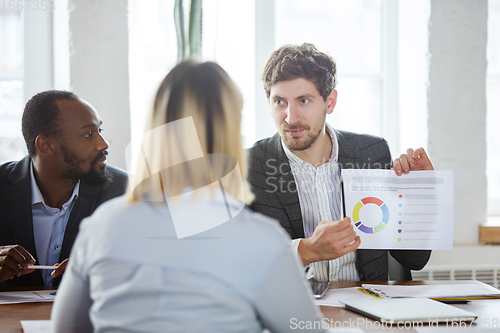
(49, 225)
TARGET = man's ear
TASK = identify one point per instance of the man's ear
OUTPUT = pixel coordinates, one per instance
(44, 145)
(331, 101)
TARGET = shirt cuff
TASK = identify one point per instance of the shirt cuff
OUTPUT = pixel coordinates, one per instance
(295, 245)
(295, 248)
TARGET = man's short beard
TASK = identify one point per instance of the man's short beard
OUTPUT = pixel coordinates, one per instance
(91, 177)
(306, 144)
(95, 178)
(294, 145)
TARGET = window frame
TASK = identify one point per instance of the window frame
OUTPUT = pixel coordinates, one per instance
(265, 31)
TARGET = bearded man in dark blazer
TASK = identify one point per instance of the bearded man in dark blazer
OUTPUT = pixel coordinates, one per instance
(295, 174)
(44, 196)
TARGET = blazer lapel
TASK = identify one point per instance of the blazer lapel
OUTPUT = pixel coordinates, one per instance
(19, 212)
(287, 189)
(84, 206)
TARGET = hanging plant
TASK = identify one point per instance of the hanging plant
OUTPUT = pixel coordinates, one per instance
(188, 37)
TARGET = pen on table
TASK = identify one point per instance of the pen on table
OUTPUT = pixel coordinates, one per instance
(370, 292)
(34, 292)
(41, 267)
(51, 294)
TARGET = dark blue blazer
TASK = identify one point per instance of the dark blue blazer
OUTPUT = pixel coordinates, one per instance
(16, 219)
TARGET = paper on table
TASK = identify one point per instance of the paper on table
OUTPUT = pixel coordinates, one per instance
(456, 290)
(413, 211)
(332, 296)
(36, 326)
(14, 297)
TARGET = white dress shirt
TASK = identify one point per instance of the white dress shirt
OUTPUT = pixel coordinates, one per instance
(320, 199)
(129, 272)
(49, 225)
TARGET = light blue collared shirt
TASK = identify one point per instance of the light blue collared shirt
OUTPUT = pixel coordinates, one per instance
(49, 225)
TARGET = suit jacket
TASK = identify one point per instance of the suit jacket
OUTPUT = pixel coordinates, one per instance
(16, 219)
(273, 184)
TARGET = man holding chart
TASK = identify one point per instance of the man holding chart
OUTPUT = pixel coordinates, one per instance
(295, 174)
(44, 196)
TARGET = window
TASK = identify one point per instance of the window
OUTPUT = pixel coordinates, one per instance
(227, 39)
(22, 32)
(413, 72)
(351, 32)
(12, 145)
(493, 107)
(381, 74)
(380, 47)
(153, 52)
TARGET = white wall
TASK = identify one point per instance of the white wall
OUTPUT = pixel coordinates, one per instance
(468, 255)
(99, 70)
(457, 119)
(457, 106)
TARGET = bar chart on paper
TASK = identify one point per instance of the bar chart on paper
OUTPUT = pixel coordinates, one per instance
(413, 211)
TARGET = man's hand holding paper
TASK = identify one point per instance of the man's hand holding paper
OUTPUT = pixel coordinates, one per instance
(333, 239)
(413, 160)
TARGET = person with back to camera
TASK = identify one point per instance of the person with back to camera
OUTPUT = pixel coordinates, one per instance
(180, 252)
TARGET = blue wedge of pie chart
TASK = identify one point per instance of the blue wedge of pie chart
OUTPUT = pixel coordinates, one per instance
(364, 228)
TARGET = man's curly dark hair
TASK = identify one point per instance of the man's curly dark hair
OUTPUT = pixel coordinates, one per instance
(291, 62)
(41, 116)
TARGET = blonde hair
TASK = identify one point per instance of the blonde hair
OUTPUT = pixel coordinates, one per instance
(192, 137)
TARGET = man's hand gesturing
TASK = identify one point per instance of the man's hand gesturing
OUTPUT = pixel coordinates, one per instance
(330, 240)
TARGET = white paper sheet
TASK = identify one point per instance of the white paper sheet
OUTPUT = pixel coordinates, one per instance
(413, 211)
(27, 296)
(333, 296)
(474, 288)
(36, 326)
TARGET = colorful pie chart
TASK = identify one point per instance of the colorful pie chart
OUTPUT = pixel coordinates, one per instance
(368, 201)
